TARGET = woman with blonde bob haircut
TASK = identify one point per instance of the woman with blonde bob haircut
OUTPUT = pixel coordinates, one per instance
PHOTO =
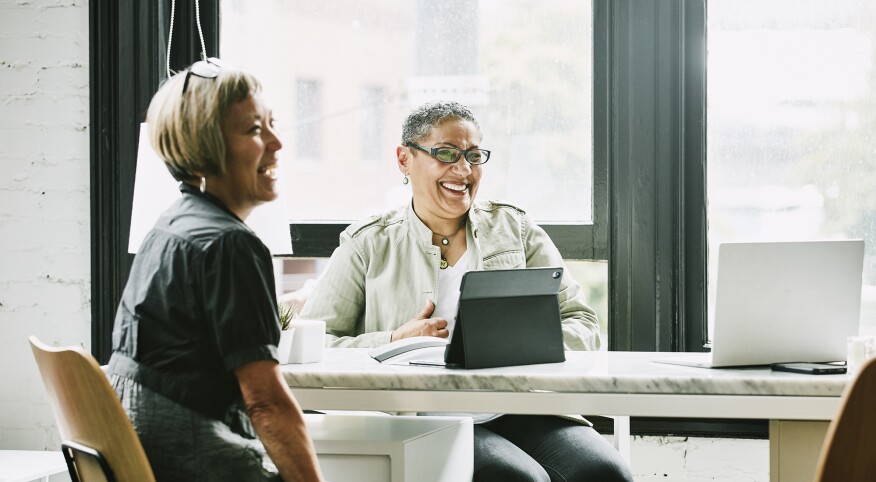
(195, 340)
(185, 126)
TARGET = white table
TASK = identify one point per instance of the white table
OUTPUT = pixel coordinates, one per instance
(596, 383)
(28, 465)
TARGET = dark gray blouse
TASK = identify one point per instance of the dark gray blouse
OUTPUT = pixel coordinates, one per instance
(199, 303)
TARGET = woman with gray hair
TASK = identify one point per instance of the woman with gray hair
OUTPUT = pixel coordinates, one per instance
(195, 340)
(398, 275)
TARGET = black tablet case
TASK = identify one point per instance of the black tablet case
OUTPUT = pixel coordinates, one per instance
(506, 318)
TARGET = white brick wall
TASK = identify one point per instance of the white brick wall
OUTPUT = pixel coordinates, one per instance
(44, 203)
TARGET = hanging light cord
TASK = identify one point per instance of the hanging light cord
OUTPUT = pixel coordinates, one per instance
(170, 33)
(200, 32)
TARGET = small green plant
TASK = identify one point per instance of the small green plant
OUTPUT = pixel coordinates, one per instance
(287, 313)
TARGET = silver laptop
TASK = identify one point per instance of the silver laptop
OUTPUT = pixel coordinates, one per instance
(783, 302)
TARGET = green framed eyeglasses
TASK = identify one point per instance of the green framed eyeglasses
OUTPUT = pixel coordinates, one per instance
(449, 155)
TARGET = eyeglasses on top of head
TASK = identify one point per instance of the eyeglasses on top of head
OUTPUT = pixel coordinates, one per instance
(449, 155)
(205, 69)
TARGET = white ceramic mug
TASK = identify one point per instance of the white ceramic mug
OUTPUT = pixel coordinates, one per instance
(308, 344)
(860, 348)
(284, 348)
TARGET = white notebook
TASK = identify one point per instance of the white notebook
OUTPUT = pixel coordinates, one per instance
(783, 302)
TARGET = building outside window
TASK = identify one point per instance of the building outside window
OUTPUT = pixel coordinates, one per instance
(371, 124)
(308, 125)
(526, 73)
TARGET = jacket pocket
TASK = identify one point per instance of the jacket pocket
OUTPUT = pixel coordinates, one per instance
(505, 260)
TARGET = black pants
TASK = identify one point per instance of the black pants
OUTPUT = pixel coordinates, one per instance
(529, 448)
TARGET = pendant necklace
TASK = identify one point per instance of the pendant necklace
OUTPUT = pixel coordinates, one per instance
(445, 241)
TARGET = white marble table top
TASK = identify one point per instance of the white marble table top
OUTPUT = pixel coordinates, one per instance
(582, 372)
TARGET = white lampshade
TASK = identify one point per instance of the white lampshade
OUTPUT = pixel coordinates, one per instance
(155, 190)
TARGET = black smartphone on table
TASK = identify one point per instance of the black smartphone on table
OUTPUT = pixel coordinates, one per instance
(810, 368)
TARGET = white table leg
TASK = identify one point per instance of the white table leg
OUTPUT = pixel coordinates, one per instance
(795, 446)
(622, 436)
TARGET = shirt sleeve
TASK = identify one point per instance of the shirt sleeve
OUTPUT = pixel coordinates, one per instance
(239, 299)
(579, 322)
(339, 299)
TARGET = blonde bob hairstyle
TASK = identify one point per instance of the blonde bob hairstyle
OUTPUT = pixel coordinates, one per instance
(186, 128)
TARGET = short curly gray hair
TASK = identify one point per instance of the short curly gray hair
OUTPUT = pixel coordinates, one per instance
(421, 120)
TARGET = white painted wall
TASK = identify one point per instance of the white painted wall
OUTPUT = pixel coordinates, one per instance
(45, 250)
(44, 203)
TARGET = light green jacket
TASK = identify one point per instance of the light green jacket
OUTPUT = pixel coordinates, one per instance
(386, 268)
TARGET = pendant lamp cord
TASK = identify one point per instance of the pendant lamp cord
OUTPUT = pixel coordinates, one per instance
(200, 32)
(170, 33)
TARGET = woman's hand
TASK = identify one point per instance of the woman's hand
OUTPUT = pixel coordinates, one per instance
(423, 325)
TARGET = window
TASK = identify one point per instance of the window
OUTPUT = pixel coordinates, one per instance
(641, 57)
(359, 67)
(792, 125)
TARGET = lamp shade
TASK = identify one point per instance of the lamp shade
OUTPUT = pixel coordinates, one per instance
(155, 190)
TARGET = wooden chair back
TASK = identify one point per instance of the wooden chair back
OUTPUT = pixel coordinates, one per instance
(849, 449)
(88, 413)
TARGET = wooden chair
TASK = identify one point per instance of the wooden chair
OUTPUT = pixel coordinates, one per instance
(98, 440)
(848, 451)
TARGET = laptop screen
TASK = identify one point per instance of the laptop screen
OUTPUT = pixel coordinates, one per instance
(786, 301)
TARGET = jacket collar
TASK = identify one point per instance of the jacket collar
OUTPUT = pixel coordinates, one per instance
(423, 234)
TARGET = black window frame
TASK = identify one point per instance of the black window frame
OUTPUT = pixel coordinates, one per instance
(649, 179)
(653, 62)
(127, 63)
